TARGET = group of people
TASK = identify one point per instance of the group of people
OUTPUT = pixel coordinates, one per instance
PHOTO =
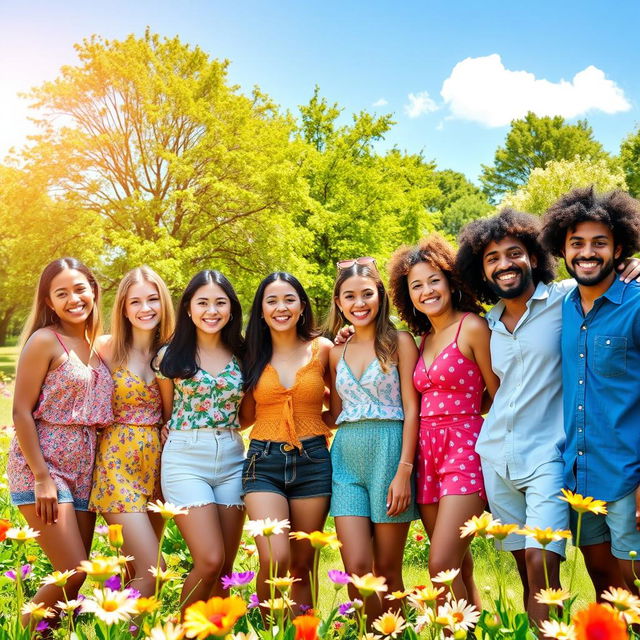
(107, 423)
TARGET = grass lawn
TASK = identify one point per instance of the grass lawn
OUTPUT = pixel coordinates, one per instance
(8, 358)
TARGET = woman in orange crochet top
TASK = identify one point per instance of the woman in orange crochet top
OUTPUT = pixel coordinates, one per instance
(287, 472)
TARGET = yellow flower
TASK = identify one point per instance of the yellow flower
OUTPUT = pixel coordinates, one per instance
(58, 578)
(147, 605)
(369, 584)
(446, 577)
(389, 624)
(166, 632)
(370, 636)
(282, 583)
(397, 595)
(552, 596)
(477, 526)
(216, 617)
(500, 531)
(100, 568)
(544, 536)
(425, 595)
(110, 606)
(318, 539)
(266, 527)
(581, 504)
(557, 630)
(122, 560)
(164, 575)
(166, 509)
(68, 606)
(115, 536)
(21, 534)
(37, 611)
(278, 603)
(621, 599)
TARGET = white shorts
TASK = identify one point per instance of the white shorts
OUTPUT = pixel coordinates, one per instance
(202, 466)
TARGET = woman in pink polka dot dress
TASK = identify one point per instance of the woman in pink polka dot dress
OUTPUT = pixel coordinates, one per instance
(452, 375)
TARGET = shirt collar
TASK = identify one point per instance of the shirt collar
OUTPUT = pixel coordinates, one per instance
(614, 293)
(541, 292)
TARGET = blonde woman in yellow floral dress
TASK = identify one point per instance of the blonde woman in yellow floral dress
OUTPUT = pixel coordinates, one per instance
(127, 470)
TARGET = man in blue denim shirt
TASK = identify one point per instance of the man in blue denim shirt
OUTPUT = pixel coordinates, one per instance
(601, 368)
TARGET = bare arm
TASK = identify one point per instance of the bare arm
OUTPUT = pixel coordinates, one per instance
(478, 336)
(399, 494)
(335, 401)
(247, 410)
(104, 347)
(38, 355)
(326, 349)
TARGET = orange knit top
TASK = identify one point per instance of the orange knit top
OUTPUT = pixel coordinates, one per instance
(288, 415)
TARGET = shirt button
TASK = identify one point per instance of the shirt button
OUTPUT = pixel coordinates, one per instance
(584, 327)
(580, 381)
(579, 430)
(579, 407)
(580, 453)
(582, 355)
(607, 341)
(511, 404)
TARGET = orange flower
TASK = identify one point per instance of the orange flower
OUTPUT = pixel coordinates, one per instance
(598, 621)
(306, 627)
(5, 525)
(216, 617)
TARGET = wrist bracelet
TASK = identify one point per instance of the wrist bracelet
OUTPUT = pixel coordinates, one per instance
(409, 464)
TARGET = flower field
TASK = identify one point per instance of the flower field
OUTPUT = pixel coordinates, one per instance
(109, 609)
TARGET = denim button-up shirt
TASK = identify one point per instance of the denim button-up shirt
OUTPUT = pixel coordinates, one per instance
(524, 427)
(601, 378)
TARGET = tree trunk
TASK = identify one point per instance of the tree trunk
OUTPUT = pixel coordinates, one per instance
(5, 318)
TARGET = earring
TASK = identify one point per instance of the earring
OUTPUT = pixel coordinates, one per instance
(230, 317)
(414, 312)
(301, 320)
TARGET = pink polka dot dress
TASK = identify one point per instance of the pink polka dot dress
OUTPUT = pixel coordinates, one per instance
(450, 421)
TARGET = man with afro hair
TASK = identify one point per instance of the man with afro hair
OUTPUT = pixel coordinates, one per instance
(600, 369)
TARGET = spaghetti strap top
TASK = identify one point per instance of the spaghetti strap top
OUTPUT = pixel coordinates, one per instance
(451, 387)
(374, 396)
(75, 393)
(288, 415)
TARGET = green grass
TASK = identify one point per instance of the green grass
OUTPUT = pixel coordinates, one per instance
(8, 358)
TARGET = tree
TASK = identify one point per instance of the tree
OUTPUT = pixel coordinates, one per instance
(630, 160)
(183, 170)
(545, 186)
(360, 203)
(530, 144)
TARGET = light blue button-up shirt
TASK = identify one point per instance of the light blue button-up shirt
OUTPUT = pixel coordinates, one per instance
(524, 427)
(601, 375)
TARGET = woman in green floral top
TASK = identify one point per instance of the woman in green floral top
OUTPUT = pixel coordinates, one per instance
(200, 379)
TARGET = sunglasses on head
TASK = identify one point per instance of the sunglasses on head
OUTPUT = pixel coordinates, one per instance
(363, 260)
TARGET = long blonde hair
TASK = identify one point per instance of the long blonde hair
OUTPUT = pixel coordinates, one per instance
(42, 315)
(121, 333)
(386, 339)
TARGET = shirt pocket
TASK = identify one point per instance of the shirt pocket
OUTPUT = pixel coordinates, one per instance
(610, 356)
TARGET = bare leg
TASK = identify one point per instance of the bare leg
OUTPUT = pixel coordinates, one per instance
(274, 552)
(307, 514)
(141, 542)
(65, 544)
(536, 580)
(231, 520)
(202, 532)
(356, 535)
(521, 564)
(604, 569)
(389, 539)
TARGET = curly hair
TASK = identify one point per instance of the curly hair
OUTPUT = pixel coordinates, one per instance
(478, 234)
(616, 209)
(439, 254)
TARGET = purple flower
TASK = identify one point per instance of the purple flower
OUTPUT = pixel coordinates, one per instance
(42, 625)
(240, 580)
(113, 583)
(338, 577)
(102, 529)
(132, 593)
(254, 601)
(304, 608)
(345, 608)
(25, 570)
(133, 629)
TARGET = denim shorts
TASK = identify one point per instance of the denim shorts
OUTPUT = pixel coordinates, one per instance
(202, 466)
(617, 527)
(532, 501)
(278, 467)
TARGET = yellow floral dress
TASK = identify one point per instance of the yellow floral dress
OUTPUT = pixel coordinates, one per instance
(127, 470)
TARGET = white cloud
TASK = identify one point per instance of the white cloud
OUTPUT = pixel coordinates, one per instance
(419, 104)
(381, 102)
(483, 90)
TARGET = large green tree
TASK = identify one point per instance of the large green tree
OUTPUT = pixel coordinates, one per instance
(182, 170)
(530, 144)
(630, 160)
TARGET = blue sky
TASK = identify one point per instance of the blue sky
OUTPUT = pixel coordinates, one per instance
(361, 53)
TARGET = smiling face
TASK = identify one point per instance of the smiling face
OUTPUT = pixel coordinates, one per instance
(143, 308)
(508, 268)
(210, 308)
(71, 296)
(281, 306)
(359, 300)
(590, 252)
(429, 289)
